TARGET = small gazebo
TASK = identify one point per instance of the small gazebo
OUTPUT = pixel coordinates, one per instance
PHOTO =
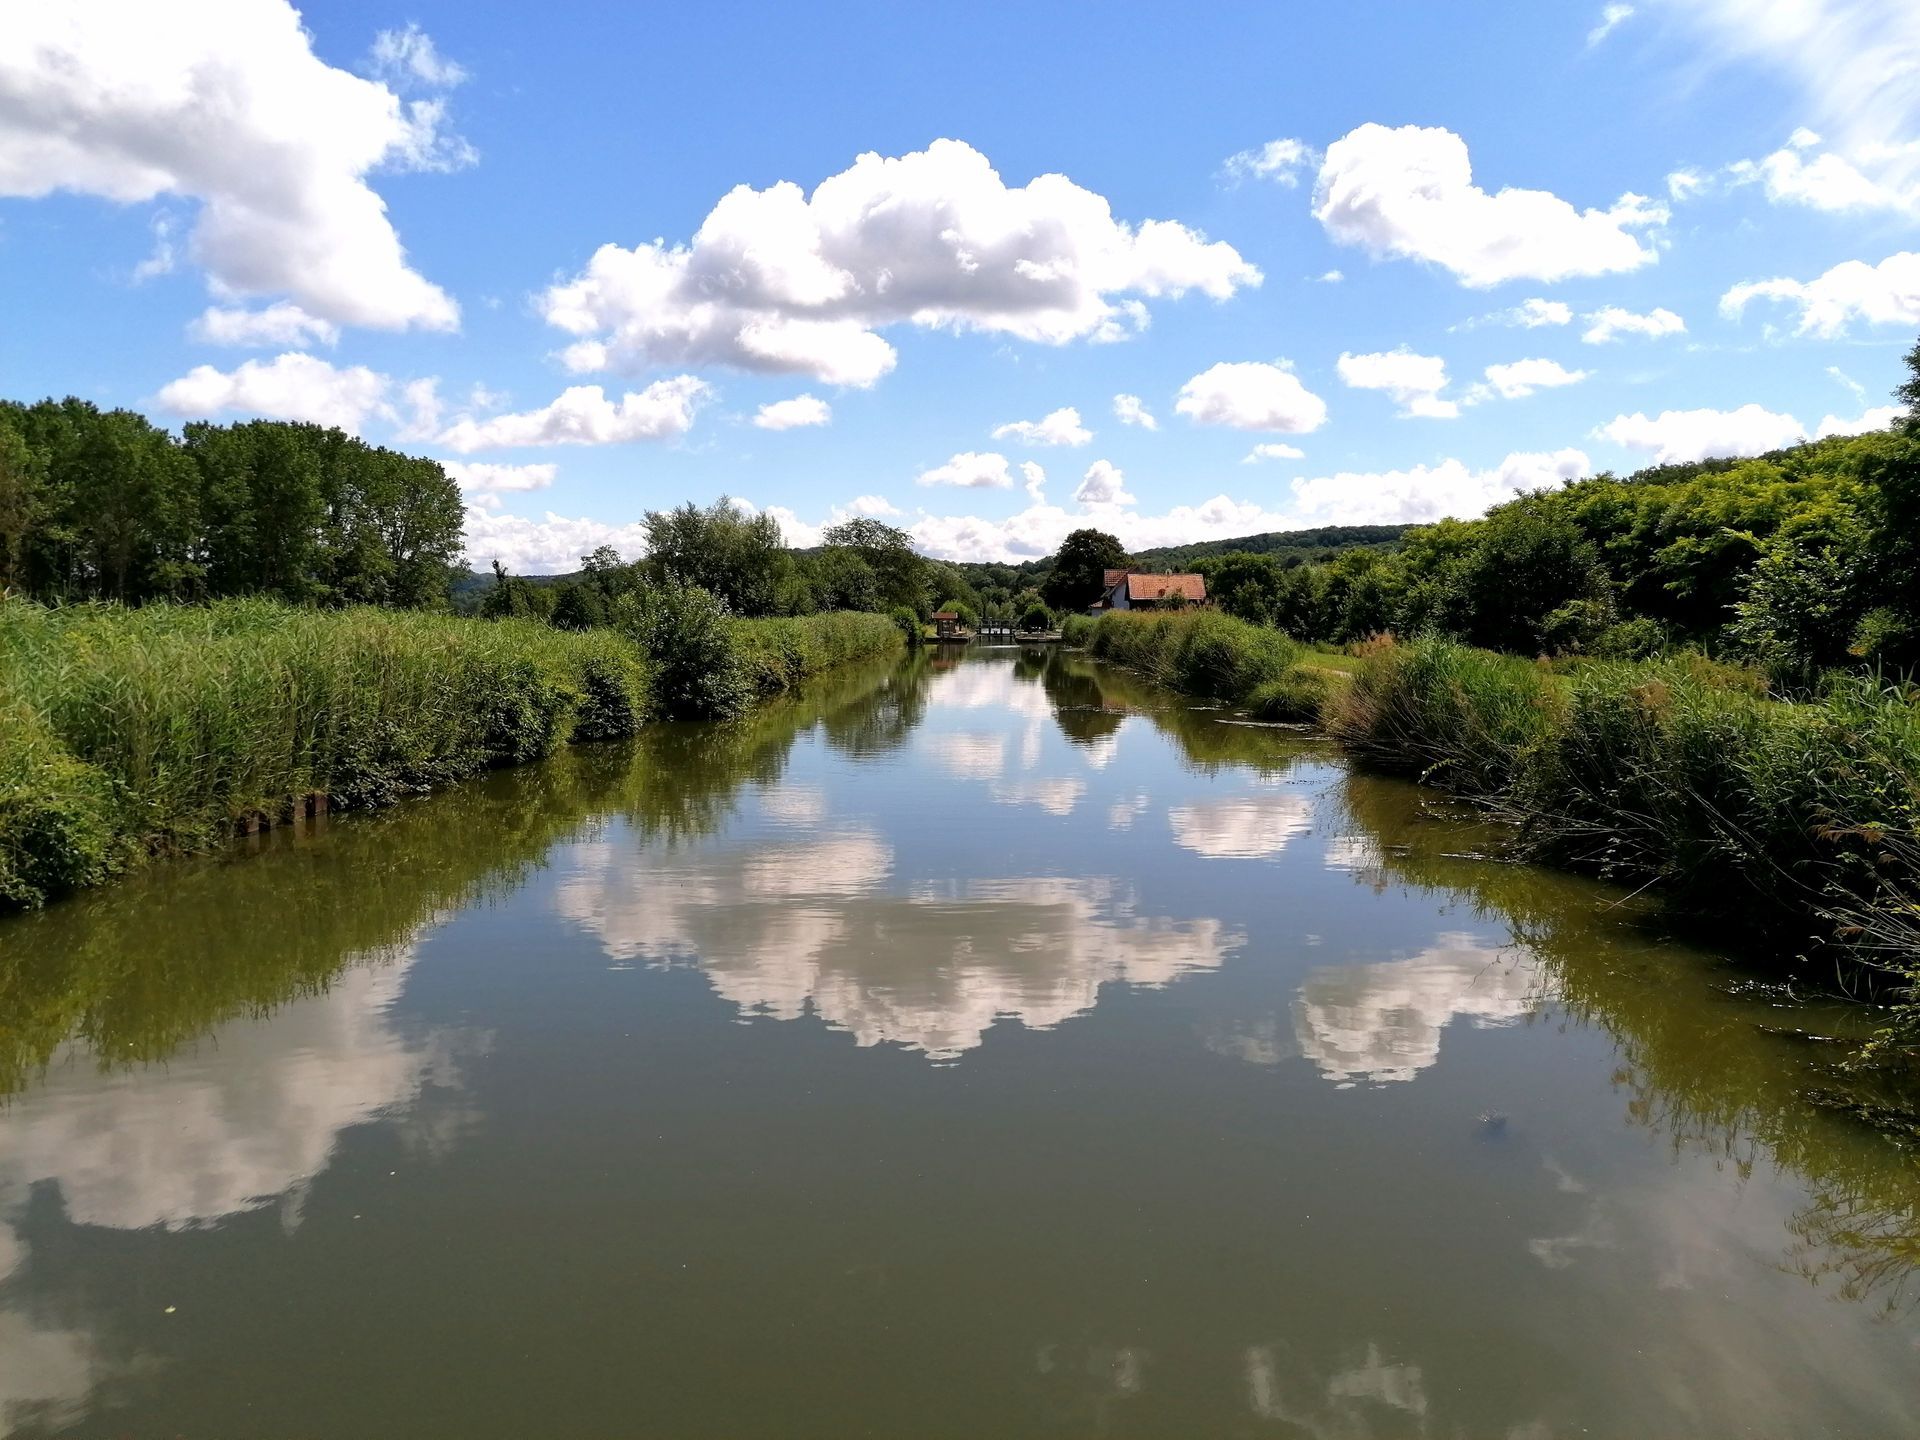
(946, 625)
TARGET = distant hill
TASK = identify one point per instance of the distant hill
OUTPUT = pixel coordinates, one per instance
(1308, 544)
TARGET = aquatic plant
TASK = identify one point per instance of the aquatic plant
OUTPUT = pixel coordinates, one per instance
(129, 733)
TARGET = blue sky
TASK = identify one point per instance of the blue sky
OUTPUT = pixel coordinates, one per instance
(437, 225)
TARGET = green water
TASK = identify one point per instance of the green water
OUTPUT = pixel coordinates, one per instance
(974, 1048)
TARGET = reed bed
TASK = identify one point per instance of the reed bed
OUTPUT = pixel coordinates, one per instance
(1798, 823)
(126, 734)
(1200, 652)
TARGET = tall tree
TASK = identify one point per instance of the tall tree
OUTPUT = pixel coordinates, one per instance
(1080, 567)
(724, 549)
(899, 571)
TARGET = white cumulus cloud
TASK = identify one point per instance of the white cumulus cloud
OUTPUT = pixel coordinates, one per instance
(584, 415)
(550, 545)
(224, 102)
(479, 478)
(800, 411)
(782, 281)
(281, 324)
(1251, 395)
(970, 470)
(1103, 484)
(1132, 410)
(1426, 493)
(293, 386)
(1413, 381)
(1273, 452)
(1061, 427)
(1675, 436)
(1883, 294)
(1880, 417)
(1409, 192)
(1610, 322)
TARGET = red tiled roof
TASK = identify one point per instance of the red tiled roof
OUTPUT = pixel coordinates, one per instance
(1114, 577)
(946, 614)
(1157, 587)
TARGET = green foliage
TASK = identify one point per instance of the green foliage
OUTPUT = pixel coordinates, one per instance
(1199, 652)
(1077, 630)
(687, 634)
(102, 504)
(1298, 697)
(1801, 607)
(1079, 568)
(777, 655)
(56, 817)
(899, 571)
(907, 623)
(158, 730)
(723, 549)
(1443, 712)
(129, 733)
(1036, 618)
(1798, 821)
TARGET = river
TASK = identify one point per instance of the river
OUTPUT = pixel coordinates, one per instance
(985, 1045)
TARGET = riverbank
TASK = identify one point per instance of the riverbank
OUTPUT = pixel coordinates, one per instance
(129, 734)
(1798, 824)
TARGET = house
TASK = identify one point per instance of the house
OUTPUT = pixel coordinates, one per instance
(1132, 590)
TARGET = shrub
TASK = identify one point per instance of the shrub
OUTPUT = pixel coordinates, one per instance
(907, 623)
(1077, 630)
(56, 814)
(687, 635)
(1461, 717)
(1637, 639)
(1198, 652)
(1296, 697)
(1037, 617)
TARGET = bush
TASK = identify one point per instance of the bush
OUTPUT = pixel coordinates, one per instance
(56, 814)
(1461, 717)
(1197, 652)
(1037, 617)
(1296, 697)
(907, 623)
(1638, 639)
(1077, 630)
(687, 635)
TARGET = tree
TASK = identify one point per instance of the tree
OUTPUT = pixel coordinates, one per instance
(1079, 568)
(724, 549)
(899, 571)
(1036, 618)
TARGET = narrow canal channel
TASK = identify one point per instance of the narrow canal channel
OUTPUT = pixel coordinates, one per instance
(974, 1047)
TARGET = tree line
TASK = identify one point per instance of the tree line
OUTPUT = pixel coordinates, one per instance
(105, 505)
(1799, 561)
(741, 559)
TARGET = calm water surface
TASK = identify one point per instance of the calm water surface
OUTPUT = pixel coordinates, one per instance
(972, 1048)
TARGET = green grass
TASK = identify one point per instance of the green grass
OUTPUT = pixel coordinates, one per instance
(126, 734)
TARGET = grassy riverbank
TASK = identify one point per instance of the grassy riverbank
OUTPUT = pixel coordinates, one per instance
(131, 733)
(1799, 823)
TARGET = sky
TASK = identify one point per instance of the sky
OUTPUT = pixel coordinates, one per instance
(990, 273)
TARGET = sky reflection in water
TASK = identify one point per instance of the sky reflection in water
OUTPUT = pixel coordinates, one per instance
(990, 1046)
